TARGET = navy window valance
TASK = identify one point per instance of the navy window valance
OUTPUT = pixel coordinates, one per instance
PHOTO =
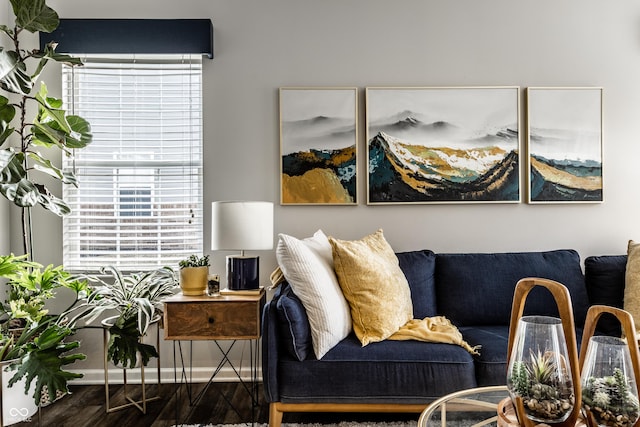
(132, 36)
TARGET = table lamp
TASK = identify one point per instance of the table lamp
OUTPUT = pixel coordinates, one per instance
(240, 226)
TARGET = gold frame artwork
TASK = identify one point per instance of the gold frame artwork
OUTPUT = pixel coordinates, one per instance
(435, 145)
(318, 145)
(564, 145)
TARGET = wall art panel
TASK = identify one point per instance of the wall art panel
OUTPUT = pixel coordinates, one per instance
(564, 140)
(318, 145)
(443, 145)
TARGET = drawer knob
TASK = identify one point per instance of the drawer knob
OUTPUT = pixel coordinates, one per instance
(211, 320)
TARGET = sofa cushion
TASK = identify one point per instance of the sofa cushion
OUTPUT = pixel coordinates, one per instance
(477, 289)
(604, 277)
(294, 323)
(374, 285)
(491, 363)
(419, 268)
(308, 267)
(406, 372)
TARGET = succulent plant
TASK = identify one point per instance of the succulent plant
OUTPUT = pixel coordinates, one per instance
(195, 261)
(610, 400)
(538, 381)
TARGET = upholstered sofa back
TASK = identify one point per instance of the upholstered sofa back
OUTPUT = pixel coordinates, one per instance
(605, 279)
(476, 289)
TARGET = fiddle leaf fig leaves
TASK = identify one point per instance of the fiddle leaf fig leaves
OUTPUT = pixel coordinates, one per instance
(35, 15)
(81, 136)
(11, 169)
(45, 166)
(13, 73)
(7, 113)
(19, 189)
(50, 128)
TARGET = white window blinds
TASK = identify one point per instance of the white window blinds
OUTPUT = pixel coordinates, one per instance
(138, 204)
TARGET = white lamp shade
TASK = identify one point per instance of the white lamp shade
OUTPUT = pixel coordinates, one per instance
(241, 226)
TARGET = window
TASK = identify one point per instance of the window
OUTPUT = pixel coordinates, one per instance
(138, 204)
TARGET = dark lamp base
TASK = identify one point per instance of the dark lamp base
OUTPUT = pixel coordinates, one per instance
(243, 273)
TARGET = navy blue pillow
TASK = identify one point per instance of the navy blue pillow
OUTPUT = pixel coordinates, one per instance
(419, 268)
(294, 323)
(604, 276)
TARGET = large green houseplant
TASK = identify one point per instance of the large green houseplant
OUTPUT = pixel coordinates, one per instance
(31, 338)
(32, 126)
(22, 165)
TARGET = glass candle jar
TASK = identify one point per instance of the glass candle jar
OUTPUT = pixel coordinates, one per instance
(213, 285)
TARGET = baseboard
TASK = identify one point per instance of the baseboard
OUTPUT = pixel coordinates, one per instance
(167, 375)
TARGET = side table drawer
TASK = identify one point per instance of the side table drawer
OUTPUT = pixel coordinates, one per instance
(213, 319)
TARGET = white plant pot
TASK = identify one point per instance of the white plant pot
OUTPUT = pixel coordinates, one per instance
(17, 406)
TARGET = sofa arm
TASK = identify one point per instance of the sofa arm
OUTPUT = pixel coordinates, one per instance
(270, 351)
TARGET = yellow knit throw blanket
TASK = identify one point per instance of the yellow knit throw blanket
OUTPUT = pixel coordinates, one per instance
(433, 329)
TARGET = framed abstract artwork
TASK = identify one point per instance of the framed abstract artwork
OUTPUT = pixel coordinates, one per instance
(564, 144)
(318, 145)
(443, 145)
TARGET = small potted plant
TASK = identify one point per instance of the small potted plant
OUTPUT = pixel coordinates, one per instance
(193, 275)
(137, 299)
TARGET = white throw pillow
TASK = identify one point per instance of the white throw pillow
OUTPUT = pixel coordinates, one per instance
(308, 267)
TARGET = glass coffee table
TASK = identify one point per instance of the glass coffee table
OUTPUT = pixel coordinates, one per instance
(474, 407)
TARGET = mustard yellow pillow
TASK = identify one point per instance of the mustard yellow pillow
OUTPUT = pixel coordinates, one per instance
(632, 282)
(374, 285)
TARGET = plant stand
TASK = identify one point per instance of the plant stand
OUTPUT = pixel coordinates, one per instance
(141, 404)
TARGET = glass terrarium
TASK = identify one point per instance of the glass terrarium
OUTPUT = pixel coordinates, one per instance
(609, 391)
(539, 372)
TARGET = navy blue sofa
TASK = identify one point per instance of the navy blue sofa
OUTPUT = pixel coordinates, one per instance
(473, 290)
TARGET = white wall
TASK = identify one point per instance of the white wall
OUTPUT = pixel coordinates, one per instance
(263, 45)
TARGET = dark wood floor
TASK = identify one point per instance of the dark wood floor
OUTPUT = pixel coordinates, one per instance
(86, 407)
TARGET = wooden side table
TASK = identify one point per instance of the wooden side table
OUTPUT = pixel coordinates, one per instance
(227, 317)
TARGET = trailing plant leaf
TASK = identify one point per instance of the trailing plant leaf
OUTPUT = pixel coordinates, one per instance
(125, 344)
(137, 298)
